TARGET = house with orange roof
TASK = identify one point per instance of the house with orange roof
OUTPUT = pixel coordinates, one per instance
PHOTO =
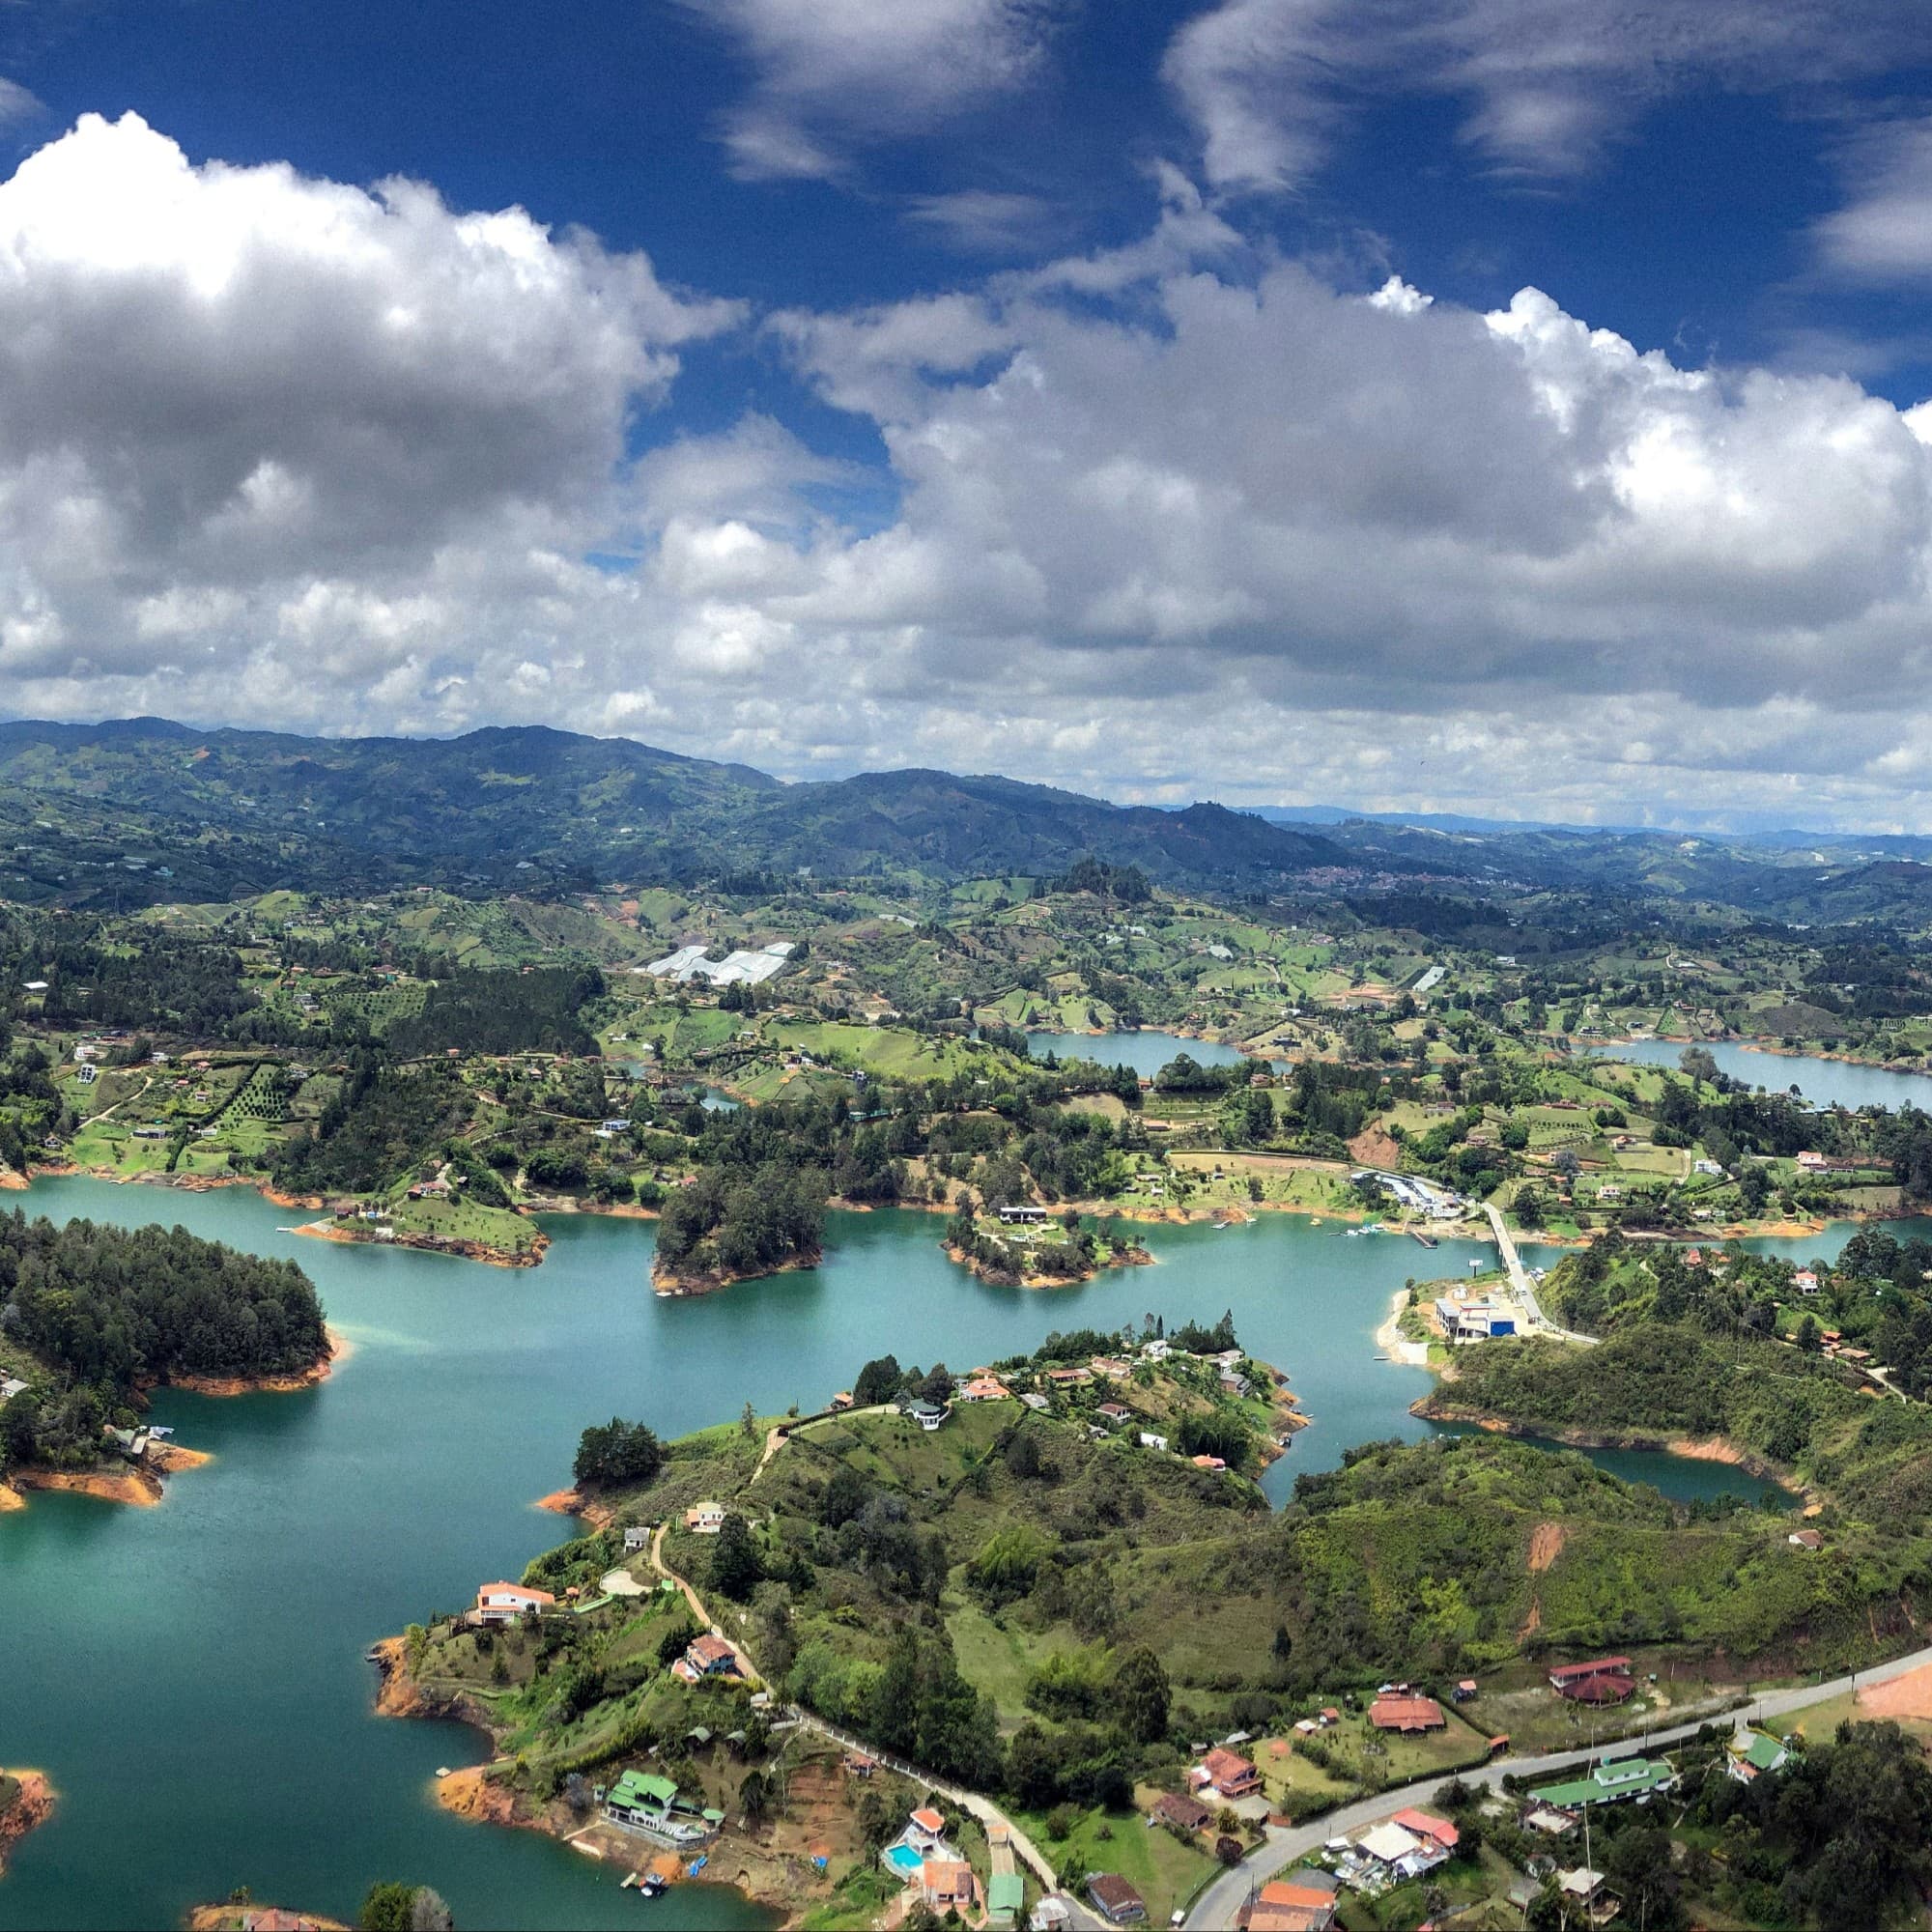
(948, 1885)
(1227, 1774)
(1426, 1825)
(1298, 1904)
(706, 1656)
(1406, 1715)
(506, 1603)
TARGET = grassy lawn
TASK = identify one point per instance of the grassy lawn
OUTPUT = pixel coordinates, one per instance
(462, 1221)
(1517, 1702)
(897, 1451)
(1297, 1785)
(1163, 1870)
(1397, 1760)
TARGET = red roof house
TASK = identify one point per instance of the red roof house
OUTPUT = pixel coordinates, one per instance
(1426, 1825)
(1407, 1714)
(1231, 1775)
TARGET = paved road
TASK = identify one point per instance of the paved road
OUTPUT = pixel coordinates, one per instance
(1216, 1907)
(1523, 1288)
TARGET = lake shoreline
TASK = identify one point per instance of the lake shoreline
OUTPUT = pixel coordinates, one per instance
(1755, 1044)
(140, 1485)
(1393, 1343)
(672, 1283)
(1435, 1408)
(470, 1791)
(32, 1806)
(339, 1349)
(998, 1277)
(359, 1233)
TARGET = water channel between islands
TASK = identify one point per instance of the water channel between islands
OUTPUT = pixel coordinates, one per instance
(191, 1676)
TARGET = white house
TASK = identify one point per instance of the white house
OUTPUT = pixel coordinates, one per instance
(506, 1603)
(704, 1519)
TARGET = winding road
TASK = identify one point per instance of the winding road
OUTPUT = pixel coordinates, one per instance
(982, 1808)
(1217, 1906)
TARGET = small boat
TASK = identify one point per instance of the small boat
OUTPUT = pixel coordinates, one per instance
(651, 1885)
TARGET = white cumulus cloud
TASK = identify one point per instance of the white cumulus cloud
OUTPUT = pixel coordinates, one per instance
(1169, 520)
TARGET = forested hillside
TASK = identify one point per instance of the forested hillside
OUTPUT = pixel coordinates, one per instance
(104, 1312)
(131, 812)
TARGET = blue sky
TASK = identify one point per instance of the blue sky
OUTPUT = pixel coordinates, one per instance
(1271, 400)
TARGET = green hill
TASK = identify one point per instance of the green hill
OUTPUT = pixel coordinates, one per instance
(1032, 1607)
(131, 812)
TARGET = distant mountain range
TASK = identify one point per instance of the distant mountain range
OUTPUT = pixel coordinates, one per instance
(1844, 847)
(139, 809)
(128, 814)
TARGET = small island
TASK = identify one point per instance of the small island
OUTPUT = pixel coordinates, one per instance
(26, 1802)
(1021, 1244)
(240, 1913)
(96, 1316)
(735, 1223)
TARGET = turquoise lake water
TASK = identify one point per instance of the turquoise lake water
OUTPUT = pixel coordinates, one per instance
(1825, 1083)
(191, 1676)
(1147, 1051)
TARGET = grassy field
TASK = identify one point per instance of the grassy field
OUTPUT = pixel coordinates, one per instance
(460, 1221)
(1372, 1757)
(1163, 1870)
(996, 1659)
(1516, 1702)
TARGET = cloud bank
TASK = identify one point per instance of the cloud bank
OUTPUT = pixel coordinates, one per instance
(1174, 521)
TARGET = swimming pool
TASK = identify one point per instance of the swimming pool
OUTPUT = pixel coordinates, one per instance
(903, 1857)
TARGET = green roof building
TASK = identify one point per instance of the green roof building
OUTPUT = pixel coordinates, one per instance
(1610, 1783)
(1759, 1752)
(641, 1791)
(1006, 1897)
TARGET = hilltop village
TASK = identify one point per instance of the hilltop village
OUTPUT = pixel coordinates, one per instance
(1004, 1648)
